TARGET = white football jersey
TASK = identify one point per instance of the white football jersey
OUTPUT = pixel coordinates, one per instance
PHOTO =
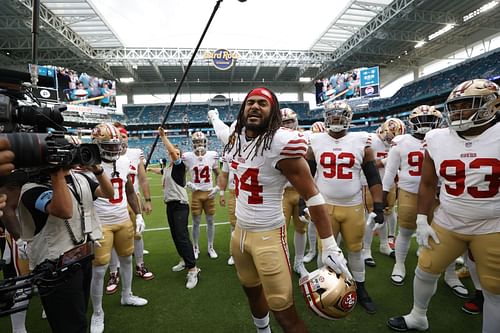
(407, 156)
(380, 150)
(226, 168)
(201, 168)
(259, 184)
(338, 173)
(469, 171)
(112, 211)
(135, 155)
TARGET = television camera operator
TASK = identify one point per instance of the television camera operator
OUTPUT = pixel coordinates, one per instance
(57, 216)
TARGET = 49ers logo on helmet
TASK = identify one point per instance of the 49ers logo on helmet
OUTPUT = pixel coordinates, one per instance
(349, 300)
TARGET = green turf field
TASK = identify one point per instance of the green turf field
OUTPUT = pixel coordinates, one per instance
(218, 305)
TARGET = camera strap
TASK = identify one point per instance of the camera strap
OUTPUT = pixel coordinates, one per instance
(85, 217)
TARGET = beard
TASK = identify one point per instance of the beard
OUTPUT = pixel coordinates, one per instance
(258, 127)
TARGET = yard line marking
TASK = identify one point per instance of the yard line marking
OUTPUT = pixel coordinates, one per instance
(189, 226)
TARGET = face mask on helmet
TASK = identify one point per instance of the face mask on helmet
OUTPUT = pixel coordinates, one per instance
(107, 138)
(424, 118)
(338, 116)
(471, 104)
(199, 142)
(289, 118)
(328, 294)
(391, 128)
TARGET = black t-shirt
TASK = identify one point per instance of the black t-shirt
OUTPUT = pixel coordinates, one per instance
(31, 196)
(179, 173)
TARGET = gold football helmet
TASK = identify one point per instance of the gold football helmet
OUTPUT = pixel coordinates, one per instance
(289, 118)
(338, 116)
(199, 141)
(329, 294)
(423, 118)
(108, 139)
(472, 103)
(391, 128)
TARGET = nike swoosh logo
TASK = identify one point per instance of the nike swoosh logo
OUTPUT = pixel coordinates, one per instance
(266, 238)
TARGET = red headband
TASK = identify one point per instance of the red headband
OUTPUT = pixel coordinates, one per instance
(262, 92)
(123, 131)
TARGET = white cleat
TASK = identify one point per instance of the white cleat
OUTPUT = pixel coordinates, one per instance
(44, 315)
(212, 254)
(179, 267)
(386, 249)
(131, 300)
(196, 252)
(192, 278)
(456, 285)
(398, 274)
(368, 258)
(230, 261)
(97, 322)
(309, 256)
(300, 269)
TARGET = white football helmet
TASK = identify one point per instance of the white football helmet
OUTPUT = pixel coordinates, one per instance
(289, 118)
(329, 294)
(338, 116)
(318, 127)
(471, 104)
(391, 128)
(199, 141)
(108, 139)
(423, 118)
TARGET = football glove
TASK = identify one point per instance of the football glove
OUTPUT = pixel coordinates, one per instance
(22, 247)
(213, 192)
(332, 257)
(191, 186)
(212, 114)
(424, 231)
(139, 224)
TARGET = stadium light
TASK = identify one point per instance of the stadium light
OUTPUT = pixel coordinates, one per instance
(420, 44)
(480, 10)
(441, 31)
(126, 79)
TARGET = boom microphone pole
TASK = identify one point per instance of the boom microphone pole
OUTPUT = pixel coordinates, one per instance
(182, 80)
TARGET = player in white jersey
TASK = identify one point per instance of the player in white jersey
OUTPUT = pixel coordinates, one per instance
(139, 177)
(381, 143)
(263, 157)
(341, 156)
(465, 159)
(201, 164)
(117, 228)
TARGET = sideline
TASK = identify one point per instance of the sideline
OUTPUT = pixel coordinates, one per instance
(189, 226)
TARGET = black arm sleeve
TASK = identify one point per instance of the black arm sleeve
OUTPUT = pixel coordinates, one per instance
(312, 166)
(371, 173)
(179, 174)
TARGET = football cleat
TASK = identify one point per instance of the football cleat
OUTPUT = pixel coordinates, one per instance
(392, 242)
(310, 255)
(132, 300)
(97, 322)
(365, 300)
(456, 285)
(230, 261)
(474, 306)
(386, 249)
(398, 274)
(368, 259)
(408, 322)
(114, 280)
(142, 272)
(300, 269)
(212, 254)
(192, 278)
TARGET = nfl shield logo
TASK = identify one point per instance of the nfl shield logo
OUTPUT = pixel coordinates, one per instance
(468, 144)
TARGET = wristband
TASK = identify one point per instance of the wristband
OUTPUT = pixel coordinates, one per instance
(147, 199)
(315, 200)
(221, 193)
(100, 172)
(328, 242)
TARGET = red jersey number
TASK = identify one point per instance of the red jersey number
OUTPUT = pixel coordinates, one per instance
(332, 169)
(201, 174)
(249, 182)
(415, 161)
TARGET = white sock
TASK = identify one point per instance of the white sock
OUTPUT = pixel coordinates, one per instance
(18, 319)
(126, 275)
(391, 223)
(424, 287)
(262, 324)
(382, 232)
(491, 320)
(311, 235)
(300, 246)
(450, 275)
(403, 244)
(356, 265)
(97, 286)
(232, 234)
(368, 239)
(196, 230)
(139, 251)
(210, 230)
(114, 264)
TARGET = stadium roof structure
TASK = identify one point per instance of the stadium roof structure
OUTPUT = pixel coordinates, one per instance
(81, 35)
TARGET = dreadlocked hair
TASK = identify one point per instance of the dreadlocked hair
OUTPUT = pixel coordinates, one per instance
(264, 139)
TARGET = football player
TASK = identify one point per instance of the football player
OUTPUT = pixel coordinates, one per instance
(340, 156)
(381, 143)
(201, 164)
(291, 203)
(117, 227)
(465, 159)
(264, 157)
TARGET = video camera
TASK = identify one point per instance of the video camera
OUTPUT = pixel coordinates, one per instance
(24, 122)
